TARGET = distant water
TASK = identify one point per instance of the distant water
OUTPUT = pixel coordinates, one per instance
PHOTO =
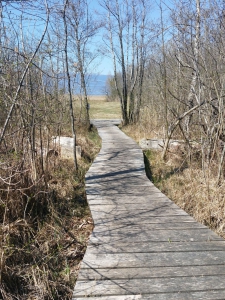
(96, 84)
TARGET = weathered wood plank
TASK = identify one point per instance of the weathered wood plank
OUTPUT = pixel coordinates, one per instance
(145, 219)
(147, 247)
(161, 235)
(159, 205)
(153, 272)
(118, 187)
(150, 286)
(138, 218)
(109, 190)
(146, 206)
(117, 169)
(126, 297)
(120, 200)
(202, 295)
(135, 215)
(139, 227)
(160, 259)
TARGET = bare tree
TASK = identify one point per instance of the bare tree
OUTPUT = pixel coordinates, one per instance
(69, 84)
(15, 98)
(82, 27)
(126, 34)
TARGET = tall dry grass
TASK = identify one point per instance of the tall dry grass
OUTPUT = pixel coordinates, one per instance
(148, 126)
(45, 224)
(194, 190)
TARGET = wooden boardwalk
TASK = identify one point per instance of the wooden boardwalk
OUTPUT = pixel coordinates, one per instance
(143, 246)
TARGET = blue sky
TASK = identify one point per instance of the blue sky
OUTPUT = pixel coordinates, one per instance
(103, 64)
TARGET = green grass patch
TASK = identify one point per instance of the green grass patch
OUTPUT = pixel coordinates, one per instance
(102, 109)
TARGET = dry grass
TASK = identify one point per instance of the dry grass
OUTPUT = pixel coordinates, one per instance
(97, 97)
(201, 197)
(44, 226)
(190, 188)
(102, 109)
(138, 132)
(146, 128)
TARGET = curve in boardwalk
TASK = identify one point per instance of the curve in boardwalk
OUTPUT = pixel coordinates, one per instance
(143, 246)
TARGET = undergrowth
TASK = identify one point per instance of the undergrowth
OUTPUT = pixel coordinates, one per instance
(192, 189)
(44, 226)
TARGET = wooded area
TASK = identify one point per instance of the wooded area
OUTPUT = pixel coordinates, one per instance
(168, 60)
(173, 68)
(45, 220)
(170, 72)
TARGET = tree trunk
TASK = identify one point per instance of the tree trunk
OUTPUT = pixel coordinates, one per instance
(69, 87)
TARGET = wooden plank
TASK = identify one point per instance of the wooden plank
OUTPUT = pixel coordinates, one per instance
(128, 198)
(110, 160)
(126, 297)
(139, 227)
(106, 121)
(101, 176)
(146, 206)
(102, 173)
(148, 247)
(121, 198)
(117, 182)
(116, 171)
(202, 295)
(127, 216)
(119, 177)
(133, 171)
(139, 219)
(140, 199)
(153, 272)
(162, 235)
(117, 154)
(150, 286)
(129, 164)
(125, 162)
(120, 189)
(157, 236)
(150, 230)
(160, 259)
(152, 208)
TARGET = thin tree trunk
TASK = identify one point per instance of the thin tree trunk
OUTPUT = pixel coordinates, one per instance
(83, 80)
(69, 87)
(164, 92)
(123, 66)
(195, 73)
(114, 66)
(176, 123)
